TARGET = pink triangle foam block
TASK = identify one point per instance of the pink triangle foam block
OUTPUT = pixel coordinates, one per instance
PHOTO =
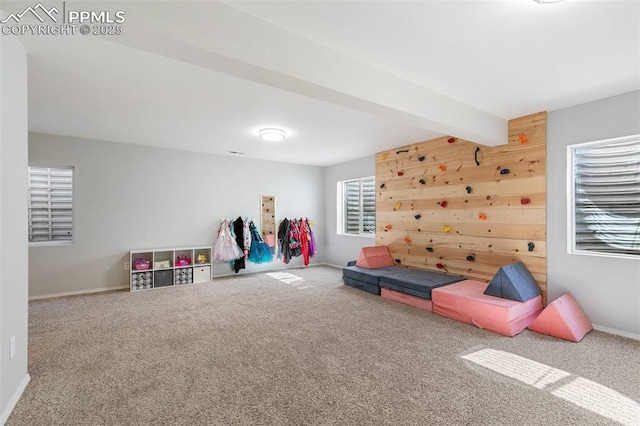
(374, 257)
(563, 319)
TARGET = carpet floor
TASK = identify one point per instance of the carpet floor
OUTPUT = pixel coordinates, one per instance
(300, 348)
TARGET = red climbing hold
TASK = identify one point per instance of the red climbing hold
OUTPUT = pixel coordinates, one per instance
(440, 266)
(444, 203)
(525, 200)
(451, 140)
(400, 173)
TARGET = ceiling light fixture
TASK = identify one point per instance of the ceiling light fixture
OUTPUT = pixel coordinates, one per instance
(547, 1)
(272, 134)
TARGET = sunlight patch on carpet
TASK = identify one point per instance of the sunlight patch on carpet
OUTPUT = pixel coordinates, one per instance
(582, 392)
(289, 278)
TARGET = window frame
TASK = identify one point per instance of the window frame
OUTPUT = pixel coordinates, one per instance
(342, 208)
(571, 199)
(50, 241)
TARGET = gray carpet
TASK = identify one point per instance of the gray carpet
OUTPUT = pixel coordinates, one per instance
(252, 350)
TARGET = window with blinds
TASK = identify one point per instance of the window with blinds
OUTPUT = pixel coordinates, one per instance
(605, 182)
(50, 204)
(358, 207)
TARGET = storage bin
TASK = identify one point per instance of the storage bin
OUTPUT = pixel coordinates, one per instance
(163, 278)
(202, 274)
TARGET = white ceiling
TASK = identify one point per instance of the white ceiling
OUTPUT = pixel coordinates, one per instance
(344, 79)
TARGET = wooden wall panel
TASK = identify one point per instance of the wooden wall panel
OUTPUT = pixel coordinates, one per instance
(437, 209)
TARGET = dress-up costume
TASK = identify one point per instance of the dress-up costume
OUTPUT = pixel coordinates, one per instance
(238, 230)
(226, 248)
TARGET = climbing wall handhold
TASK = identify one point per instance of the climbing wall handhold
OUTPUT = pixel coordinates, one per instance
(382, 185)
(444, 203)
(440, 265)
(407, 240)
(397, 206)
(451, 140)
(401, 151)
(422, 181)
(471, 258)
(388, 227)
(525, 200)
(469, 189)
(398, 261)
(505, 171)
(442, 168)
(531, 246)
(523, 139)
(475, 155)
(421, 158)
(400, 173)
(418, 216)
(383, 157)
(482, 216)
(430, 249)
(446, 228)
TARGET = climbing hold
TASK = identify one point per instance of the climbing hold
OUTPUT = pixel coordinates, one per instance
(475, 156)
(531, 246)
(388, 227)
(504, 171)
(446, 228)
(422, 181)
(401, 151)
(418, 216)
(482, 216)
(468, 188)
(421, 158)
(440, 266)
(444, 203)
(397, 206)
(451, 140)
(522, 139)
(430, 249)
(398, 261)
(525, 200)
(382, 185)
(471, 258)
(383, 157)
(442, 168)
(407, 240)
(401, 173)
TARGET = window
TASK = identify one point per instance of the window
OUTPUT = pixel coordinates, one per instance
(357, 215)
(50, 205)
(605, 197)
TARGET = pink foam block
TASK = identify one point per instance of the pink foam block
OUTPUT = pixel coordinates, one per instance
(563, 319)
(465, 301)
(407, 299)
(374, 257)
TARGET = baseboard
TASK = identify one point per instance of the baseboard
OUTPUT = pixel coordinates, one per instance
(14, 400)
(332, 265)
(75, 293)
(616, 332)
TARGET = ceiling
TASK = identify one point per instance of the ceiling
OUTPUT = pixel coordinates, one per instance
(344, 79)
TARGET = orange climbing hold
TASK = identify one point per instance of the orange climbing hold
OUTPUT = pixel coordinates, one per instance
(523, 139)
(482, 216)
(442, 168)
(407, 240)
(388, 227)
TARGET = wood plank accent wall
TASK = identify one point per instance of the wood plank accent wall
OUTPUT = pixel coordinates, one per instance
(495, 218)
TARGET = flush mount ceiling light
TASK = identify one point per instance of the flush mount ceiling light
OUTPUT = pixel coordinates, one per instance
(272, 134)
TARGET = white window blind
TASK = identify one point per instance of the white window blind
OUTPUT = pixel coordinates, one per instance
(606, 196)
(359, 207)
(50, 204)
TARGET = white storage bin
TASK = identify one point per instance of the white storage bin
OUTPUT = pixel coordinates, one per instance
(201, 274)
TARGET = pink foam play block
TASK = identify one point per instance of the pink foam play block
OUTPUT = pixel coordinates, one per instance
(465, 301)
(407, 299)
(563, 319)
(374, 257)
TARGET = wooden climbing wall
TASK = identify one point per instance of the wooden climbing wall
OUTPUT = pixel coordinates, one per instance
(437, 208)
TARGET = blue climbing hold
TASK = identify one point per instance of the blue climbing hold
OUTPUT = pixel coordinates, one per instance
(504, 171)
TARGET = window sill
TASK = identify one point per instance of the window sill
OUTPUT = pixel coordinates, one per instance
(357, 235)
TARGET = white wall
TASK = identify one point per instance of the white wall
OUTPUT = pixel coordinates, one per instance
(13, 222)
(134, 197)
(607, 289)
(339, 249)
